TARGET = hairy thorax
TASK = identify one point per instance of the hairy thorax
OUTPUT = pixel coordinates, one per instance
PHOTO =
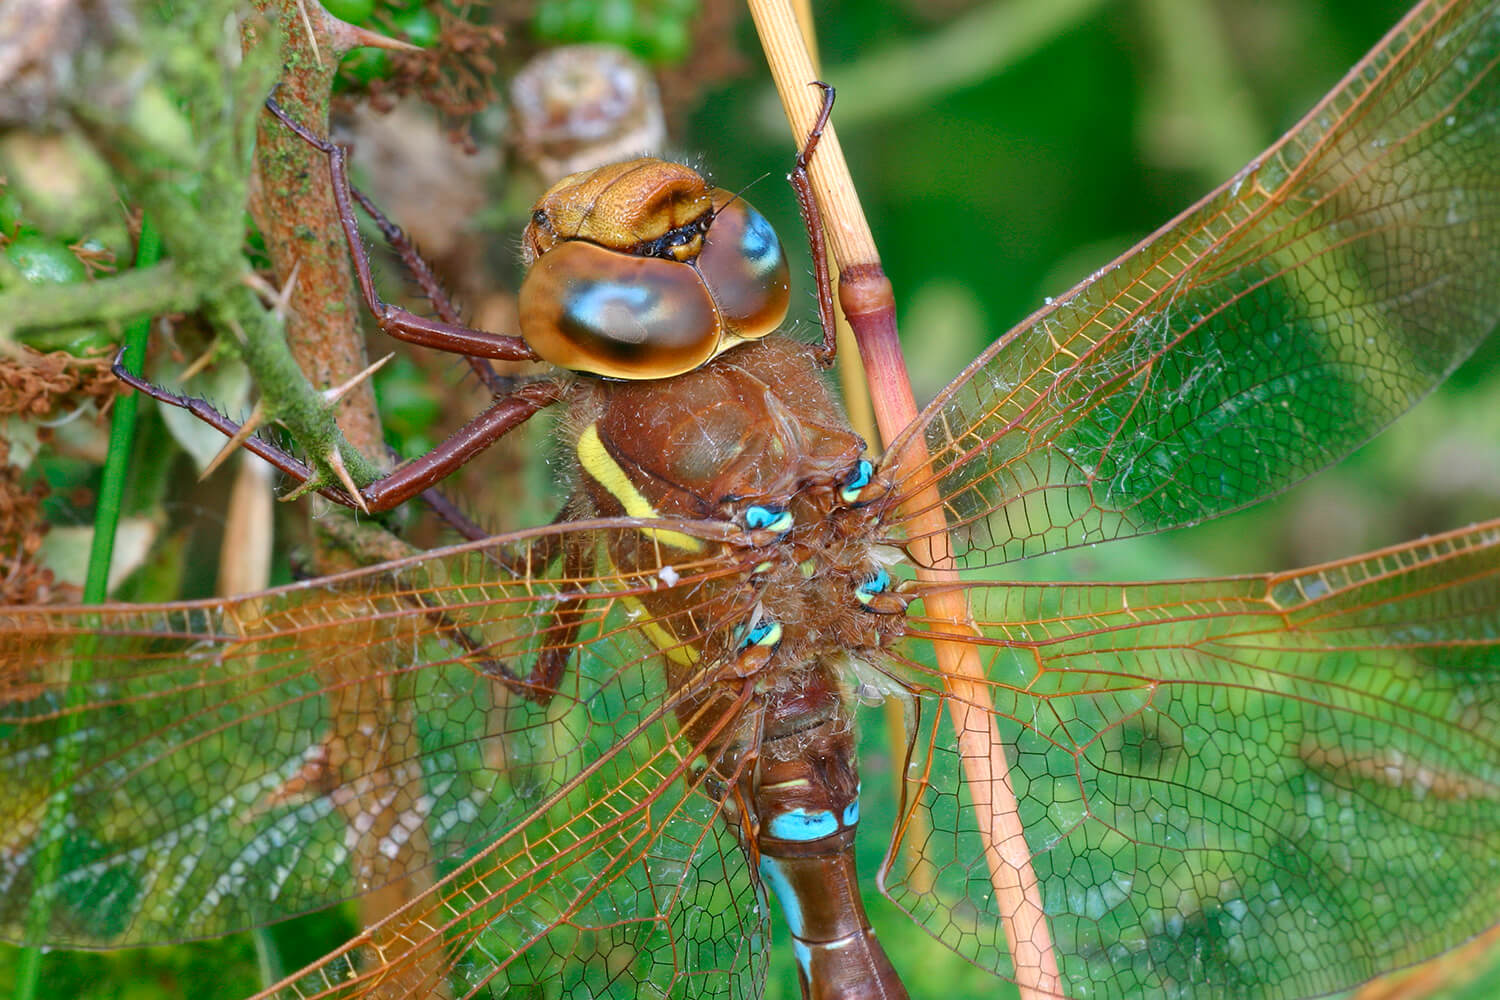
(754, 440)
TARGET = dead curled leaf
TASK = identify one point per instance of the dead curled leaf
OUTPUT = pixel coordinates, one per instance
(33, 384)
(23, 579)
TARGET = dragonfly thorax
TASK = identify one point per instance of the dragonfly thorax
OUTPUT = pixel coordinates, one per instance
(753, 440)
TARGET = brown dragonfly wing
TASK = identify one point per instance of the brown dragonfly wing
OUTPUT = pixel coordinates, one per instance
(1268, 786)
(1261, 336)
(182, 771)
(622, 884)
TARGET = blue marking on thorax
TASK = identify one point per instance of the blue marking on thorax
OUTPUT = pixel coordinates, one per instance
(878, 583)
(851, 813)
(772, 875)
(858, 479)
(763, 633)
(770, 518)
(801, 825)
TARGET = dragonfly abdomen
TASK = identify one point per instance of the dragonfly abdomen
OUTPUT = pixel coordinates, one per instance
(806, 800)
(838, 955)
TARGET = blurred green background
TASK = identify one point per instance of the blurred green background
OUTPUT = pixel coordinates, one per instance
(1003, 151)
(990, 194)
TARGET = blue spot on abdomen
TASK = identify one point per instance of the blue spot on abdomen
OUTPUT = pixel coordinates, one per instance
(801, 825)
(772, 875)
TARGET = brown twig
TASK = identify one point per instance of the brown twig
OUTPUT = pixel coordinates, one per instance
(293, 206)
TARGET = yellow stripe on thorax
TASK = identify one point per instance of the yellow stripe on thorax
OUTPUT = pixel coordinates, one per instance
(601, 465)
(679, 652)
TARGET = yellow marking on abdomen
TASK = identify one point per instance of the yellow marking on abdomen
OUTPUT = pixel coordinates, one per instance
(601, 465)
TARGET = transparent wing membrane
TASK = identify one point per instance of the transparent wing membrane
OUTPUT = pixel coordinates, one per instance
(227, 764)
(1279, 785)
(1261, 336)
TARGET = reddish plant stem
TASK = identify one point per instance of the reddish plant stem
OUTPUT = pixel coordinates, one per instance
(867, 299)
(292, 204)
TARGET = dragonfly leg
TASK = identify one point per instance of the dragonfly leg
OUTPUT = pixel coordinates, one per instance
(514, 403)
(534, 686)
(807, 205)
(405, 482)
(417, 266)
(454, 516)
(442, 334)
(567, 619)
(560, 631)
(205, 411)
(498, 419)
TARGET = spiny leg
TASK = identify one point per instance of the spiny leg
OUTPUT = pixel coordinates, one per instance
(559, 624)
(513, 407)
(417, 266)
(812, 221)
(405, 482)
(399, 323)
(502, 416)
(205, 411)
(566, 619)
(540, 683)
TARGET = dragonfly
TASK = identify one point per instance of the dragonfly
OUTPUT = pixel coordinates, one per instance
(602, 746)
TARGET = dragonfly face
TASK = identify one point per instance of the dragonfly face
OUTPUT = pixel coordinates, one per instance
(590, 750)
(641, 270)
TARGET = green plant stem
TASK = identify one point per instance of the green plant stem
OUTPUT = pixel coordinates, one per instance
(143, 291)
(290, 399)
(121, 436)
(95, 590)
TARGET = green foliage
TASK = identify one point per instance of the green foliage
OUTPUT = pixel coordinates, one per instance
(418, 25)
(365, 64)
(13, 221)
(43, 261)
(414, 21)
(353, 11)
(655, 30)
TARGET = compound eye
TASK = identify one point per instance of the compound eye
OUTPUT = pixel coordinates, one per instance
(768, 518)
(608, 313)
(854, 484)
(745, 269)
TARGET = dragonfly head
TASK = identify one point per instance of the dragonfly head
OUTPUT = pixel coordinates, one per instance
(641, 270)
